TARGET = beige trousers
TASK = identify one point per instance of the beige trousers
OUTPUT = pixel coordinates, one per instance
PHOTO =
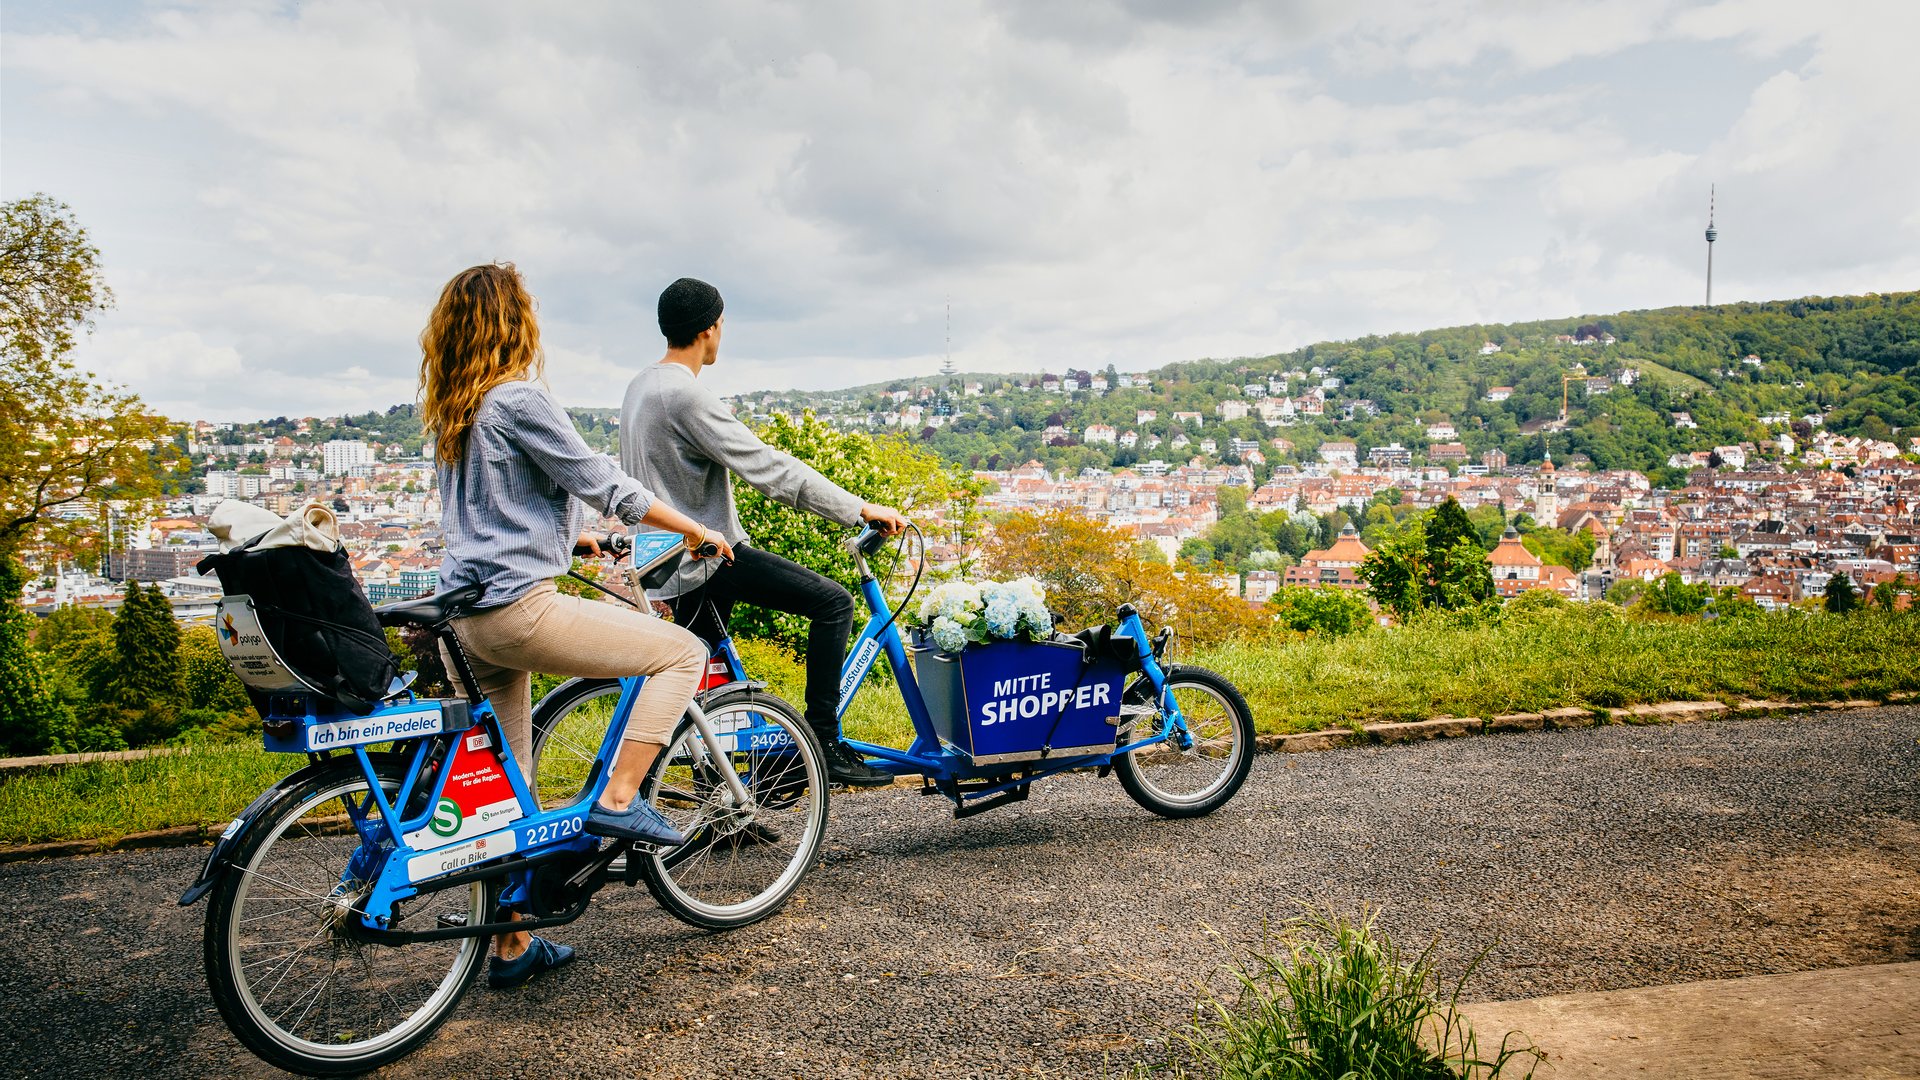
(555, 634)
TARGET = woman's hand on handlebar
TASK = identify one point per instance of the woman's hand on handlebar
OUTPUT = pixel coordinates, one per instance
(703, 542)
(709, 545)
(884, 518)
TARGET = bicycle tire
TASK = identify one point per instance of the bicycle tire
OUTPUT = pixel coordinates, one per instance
(569, 725)
(796, 798)
(242, 924)
(1146, 774)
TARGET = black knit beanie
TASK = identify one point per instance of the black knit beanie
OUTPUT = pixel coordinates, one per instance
(687, 307)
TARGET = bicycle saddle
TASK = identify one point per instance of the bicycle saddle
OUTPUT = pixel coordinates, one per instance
(429, 610)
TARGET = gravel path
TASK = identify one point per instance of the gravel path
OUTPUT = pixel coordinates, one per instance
(1063, 936)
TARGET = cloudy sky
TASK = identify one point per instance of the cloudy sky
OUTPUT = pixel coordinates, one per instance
(280, 189)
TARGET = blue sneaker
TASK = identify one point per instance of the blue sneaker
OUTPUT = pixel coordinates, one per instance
(637, 822)
(541, 957)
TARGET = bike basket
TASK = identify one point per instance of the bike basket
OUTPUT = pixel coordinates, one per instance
(1010, 701)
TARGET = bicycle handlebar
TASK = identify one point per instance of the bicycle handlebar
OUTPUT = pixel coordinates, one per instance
(614, 544)
(869, 541)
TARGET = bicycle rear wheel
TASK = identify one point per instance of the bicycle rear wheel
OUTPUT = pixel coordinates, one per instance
(292, 983)
(1186, 781)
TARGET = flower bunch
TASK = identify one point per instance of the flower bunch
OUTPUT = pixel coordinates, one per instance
(959, 612)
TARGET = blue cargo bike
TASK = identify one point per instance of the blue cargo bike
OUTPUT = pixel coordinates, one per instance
(350, 905)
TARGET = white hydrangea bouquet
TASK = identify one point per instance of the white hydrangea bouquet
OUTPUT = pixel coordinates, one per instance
(959, 612)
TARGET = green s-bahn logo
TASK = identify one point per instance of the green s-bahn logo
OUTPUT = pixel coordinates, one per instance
(446, 818)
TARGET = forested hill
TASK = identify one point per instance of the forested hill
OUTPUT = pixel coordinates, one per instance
(1740, 372)
(1850, 362)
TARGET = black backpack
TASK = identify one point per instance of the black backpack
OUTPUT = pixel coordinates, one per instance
(316, 616)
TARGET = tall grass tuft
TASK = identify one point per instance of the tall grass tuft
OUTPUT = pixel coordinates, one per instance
(1336, 999)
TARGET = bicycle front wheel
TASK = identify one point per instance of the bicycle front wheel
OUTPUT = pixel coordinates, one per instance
(1176, 780)
(290, 979)
(740, 863)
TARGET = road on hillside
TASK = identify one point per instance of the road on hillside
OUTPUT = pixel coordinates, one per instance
(1066, 935)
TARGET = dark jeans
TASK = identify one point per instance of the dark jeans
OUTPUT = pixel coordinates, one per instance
(770, 581)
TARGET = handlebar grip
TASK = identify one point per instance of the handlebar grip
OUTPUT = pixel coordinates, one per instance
(869, 541)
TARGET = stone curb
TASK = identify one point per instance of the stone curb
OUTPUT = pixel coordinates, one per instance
(178, 836)
(48, 761)
(1387, 733)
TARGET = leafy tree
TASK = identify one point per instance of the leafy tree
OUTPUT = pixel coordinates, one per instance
(1840, 597)
(209, 679)
(76, 654)
(1448, 525)
(1396, 571)
(1331, 611)
(32, 716)
(70, 439)
(888, 470)
(148, 688)
(1671, 595)
(1730, 603)
(1460, 574)
(1090, 569)
(1627, 591)
(1571, 549)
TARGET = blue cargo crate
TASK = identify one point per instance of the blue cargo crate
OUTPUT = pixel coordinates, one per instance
(1014, 701)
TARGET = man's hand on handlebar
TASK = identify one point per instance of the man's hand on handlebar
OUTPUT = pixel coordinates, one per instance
(884, 518)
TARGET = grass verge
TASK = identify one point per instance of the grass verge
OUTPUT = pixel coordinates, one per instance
(1579, 655)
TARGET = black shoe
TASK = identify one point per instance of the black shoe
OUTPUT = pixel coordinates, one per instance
(846, 766)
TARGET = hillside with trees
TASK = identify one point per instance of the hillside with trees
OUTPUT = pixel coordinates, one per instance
(1849, 363)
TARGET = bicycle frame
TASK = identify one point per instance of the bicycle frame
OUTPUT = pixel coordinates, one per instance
(946, 769)
(400, 856)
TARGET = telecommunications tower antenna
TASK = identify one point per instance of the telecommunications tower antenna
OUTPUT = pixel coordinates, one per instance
(946, 369)
(1712, 235)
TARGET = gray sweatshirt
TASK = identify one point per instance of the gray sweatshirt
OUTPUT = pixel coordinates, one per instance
(681, 441)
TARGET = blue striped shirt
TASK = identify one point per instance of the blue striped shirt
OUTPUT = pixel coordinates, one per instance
(511, 507)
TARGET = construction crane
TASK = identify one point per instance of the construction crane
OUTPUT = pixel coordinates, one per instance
(1580, 374)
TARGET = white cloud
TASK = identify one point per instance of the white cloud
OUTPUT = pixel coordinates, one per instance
(1107, 182)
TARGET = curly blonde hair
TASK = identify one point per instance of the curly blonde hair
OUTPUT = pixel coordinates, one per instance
(482, 333)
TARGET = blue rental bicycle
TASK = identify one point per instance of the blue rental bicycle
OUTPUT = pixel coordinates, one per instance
(994, 718)
(349, 906)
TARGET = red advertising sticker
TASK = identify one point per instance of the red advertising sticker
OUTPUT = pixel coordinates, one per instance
(475, 778)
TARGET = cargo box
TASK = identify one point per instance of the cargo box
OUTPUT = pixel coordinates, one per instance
(1020, 701)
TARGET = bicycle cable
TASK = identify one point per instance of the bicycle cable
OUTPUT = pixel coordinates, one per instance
(919, 571)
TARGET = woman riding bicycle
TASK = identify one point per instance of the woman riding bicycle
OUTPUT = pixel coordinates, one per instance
(513, 475)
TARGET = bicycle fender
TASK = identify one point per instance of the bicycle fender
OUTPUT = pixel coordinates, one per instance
(739, 684)
(236, 831)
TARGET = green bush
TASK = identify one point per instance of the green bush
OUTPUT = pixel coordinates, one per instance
(1337, 999)
(1324, 610)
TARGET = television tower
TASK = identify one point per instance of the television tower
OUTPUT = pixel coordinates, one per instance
(1712, 235)
(946, 369)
